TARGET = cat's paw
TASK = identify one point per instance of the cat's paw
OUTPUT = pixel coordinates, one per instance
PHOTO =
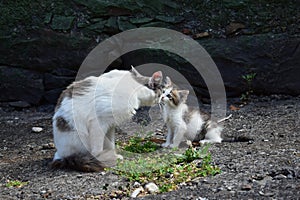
(173, 146)
(165, 145)
(120, 157)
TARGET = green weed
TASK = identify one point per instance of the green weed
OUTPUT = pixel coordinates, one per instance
(248, 78)
(15, 183)
(166, 168)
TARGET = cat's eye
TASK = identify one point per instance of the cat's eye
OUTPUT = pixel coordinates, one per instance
(163, 90)
(169, 96)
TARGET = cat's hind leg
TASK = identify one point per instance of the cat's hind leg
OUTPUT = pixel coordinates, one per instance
(213, 133)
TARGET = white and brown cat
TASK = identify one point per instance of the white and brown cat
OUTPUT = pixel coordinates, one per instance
(184, 123)
(88, 111)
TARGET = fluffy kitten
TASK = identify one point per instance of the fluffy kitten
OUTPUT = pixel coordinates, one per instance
(184, 123)
(88, 111)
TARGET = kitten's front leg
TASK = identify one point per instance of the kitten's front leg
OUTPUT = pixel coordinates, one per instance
(168, 139)
(178, 136)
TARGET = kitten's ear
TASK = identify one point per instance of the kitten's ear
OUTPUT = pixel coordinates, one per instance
(135, 72)
(168, 82)
(183, 94)
(156, 79)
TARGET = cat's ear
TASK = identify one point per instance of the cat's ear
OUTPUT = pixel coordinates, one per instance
(135, 72)
(168, 82)
(156, 79)
(183, 94)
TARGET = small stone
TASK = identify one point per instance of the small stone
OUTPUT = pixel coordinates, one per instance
(19, 104)
(79, 176)
(136, 192)
(229, 188)
(43, 192)
(37, 129)
(136, 184)
(246, 187)
(152, 187)
(280, 176)
(50, 145)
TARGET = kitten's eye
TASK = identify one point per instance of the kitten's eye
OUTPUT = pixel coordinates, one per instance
(163, 90)
(169, 96)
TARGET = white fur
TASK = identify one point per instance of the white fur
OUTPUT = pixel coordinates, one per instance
(112, 99)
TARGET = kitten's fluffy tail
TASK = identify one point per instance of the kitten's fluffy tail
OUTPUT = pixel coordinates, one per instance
(85, 162)
(236, 139)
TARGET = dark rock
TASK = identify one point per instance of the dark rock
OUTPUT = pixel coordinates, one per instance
(97, 27)
(140, 20)
(19, 104)
(20, 85)
(169, 19)
(258, 54)
(156, 24)
(52, 82)
(48, 18)
(64, 72)
(124, 25)
(45, 51)
(111, 25)
(62, 22)
(51, 96)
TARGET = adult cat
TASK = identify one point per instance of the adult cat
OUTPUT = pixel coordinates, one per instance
(88, 111)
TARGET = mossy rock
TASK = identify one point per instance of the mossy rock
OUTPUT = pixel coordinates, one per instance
(62, 22)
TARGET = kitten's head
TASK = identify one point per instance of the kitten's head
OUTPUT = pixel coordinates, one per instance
(172, 96)
(154, 82)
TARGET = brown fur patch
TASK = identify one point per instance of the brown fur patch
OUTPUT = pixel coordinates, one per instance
(188, 115)
(79, 162)
(175, 97)
(77, 88)
(62, 124)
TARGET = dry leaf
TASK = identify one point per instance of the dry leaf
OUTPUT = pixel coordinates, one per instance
(233, 27)
(233, 108)
(186, 31)
(201, 35)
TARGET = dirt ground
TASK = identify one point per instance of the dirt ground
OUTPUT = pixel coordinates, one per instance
(268, 168)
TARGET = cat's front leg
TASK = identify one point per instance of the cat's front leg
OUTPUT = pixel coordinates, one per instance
(168, 139)
(178, 136)
(109, 141)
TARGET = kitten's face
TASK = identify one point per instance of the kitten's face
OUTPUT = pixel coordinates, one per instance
(171, 96)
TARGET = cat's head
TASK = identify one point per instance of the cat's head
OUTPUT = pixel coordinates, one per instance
(171, 95)
(154, 82)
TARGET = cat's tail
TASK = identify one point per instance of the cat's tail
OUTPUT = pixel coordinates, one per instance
(86, 162)
(236, 139)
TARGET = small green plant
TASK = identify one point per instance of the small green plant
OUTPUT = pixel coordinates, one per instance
(248, 78)
(140, 145)
(15, 183)
(167, 170)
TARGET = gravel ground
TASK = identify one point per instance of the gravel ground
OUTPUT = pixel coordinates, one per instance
(268, 168)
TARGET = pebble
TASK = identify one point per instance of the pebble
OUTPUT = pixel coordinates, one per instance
(280, 176)
(136, 184)
(152, 187)
(136, 192)
(37, 129)
(246, 187)
(50, 145)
